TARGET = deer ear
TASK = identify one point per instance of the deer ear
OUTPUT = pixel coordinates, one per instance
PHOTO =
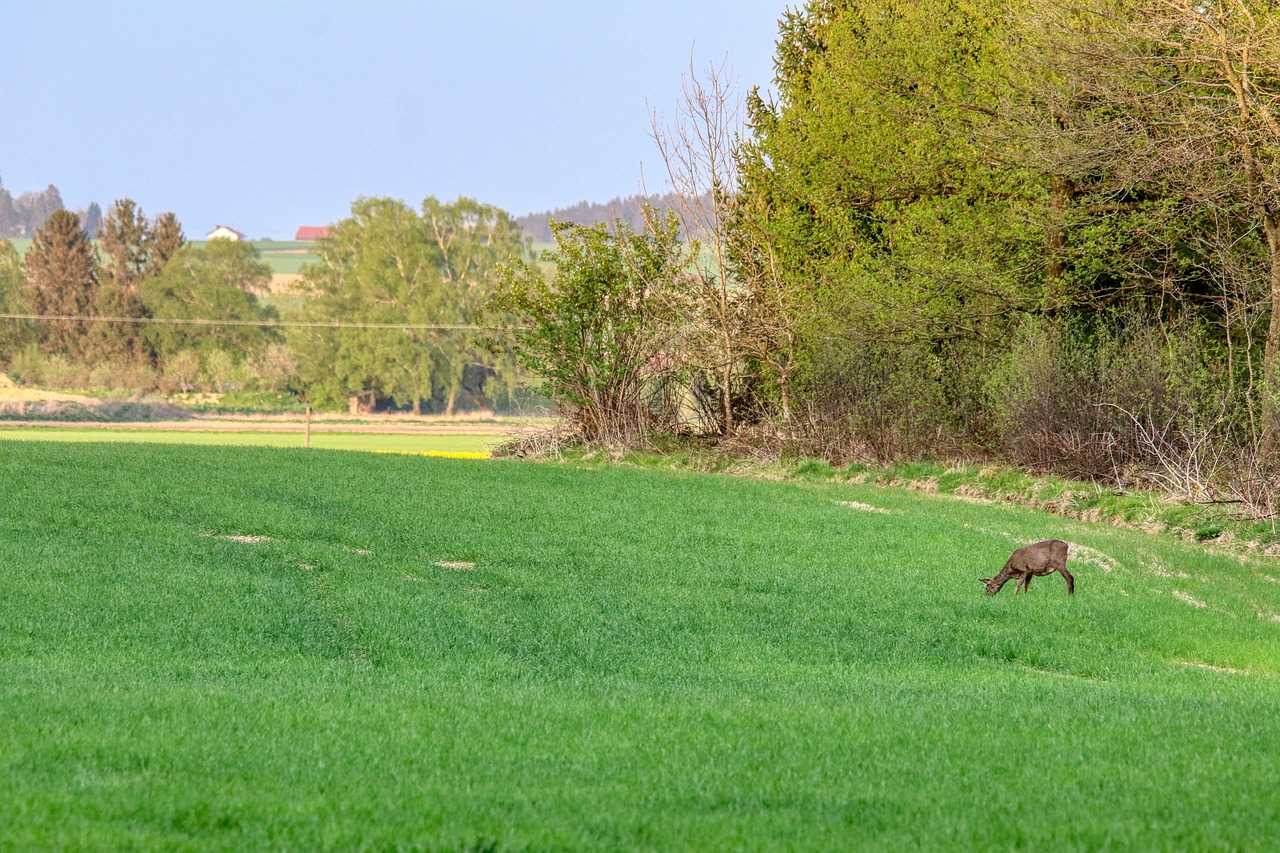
(984, 581)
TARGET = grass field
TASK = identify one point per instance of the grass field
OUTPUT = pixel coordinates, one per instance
(264, 649)
(284, 257)
(443, 443)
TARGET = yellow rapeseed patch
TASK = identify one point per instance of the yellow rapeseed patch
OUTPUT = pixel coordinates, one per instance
(439, 454)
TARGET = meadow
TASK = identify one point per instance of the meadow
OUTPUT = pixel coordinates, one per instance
(252, 648)
(285, 257)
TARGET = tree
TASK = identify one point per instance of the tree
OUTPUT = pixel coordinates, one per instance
(698, 152)
(34, 209)
(216, 282)
(473, 241)
(92, 222)
(122, 242)
(14, 334)
(876, 224)
(387, 263)
(600, 332)
(163, 242)
(61, 280)
(1183, 97)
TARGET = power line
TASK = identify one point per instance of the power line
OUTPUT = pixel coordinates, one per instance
(264, 324)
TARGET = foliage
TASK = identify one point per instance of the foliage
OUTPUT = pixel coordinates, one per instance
(62, 280)
(388, 263)
(219, 282)
(14, 334)
(602, 331)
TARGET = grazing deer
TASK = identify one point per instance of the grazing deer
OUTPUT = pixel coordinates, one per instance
(1042, 558)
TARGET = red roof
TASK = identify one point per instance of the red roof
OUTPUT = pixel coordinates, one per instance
(309, 233)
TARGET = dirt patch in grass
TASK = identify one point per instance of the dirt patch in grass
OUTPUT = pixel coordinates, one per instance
(456, 565)
(861, 507)
(1157, 567)
(238, 538)
(1208, 667)
(1188, 598)
(1092, 557)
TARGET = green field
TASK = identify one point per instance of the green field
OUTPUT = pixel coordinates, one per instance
(374, 442)
(217, 648)
(284, 257)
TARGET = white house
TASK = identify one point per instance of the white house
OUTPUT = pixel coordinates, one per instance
(224, 232)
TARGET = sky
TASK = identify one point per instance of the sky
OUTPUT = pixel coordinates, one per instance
(268, 115)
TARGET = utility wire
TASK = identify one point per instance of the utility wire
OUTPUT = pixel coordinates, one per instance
(265, 324)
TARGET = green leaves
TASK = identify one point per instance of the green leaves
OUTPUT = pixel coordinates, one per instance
(216, 281)
(600, 331)
(389, 263)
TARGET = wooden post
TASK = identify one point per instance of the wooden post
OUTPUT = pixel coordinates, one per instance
(308, 439)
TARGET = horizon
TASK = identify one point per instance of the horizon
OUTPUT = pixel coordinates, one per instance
(270, 119)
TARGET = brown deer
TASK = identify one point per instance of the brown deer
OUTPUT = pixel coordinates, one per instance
(1042, 558)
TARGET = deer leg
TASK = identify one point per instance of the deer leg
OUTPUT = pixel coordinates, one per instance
(1026, 583)
(1071, 582)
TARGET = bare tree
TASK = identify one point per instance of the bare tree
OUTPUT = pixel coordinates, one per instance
(697, 150)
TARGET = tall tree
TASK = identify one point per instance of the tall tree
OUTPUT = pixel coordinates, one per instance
(388, 263)
(216, 282)
(92, 220)
(61, 280)
(1184, 97)
(13, 333)
(164, 241)
(698, 152)
(123, 243)
(877, 195)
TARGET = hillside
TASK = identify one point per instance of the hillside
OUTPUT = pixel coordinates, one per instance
(262, 649)
(537, 226)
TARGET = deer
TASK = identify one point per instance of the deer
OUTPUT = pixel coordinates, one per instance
(1033, 561)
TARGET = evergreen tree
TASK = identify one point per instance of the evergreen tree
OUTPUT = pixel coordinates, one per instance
(122, 242)
(93, 220)
(62, 279)
(164, 241)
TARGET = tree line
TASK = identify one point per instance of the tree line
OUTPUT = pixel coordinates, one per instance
(1044, 230)
(141, 309)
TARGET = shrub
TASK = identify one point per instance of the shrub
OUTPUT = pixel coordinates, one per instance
(602, 331)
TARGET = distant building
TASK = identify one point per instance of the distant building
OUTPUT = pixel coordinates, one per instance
(311, 233)
(224, 232)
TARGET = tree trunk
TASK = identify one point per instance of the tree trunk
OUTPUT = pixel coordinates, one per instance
(1271, 354)
(726, 395)
(784, 388)
(1060, 195)
(417, 404)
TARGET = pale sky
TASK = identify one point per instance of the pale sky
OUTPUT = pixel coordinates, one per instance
(268, 115)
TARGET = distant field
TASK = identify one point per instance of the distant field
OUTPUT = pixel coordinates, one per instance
(246, 649)
(443, 444)
(284, 258)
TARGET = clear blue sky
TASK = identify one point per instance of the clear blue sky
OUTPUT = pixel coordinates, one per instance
(267, 115)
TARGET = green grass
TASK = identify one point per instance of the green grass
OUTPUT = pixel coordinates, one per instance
(391, 443)
(639, 659)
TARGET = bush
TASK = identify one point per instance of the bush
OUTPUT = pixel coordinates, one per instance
(601, 332)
